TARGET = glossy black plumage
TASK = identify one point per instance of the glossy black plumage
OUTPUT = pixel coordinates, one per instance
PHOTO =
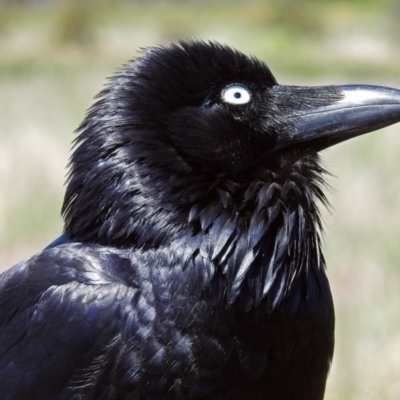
(190, 266)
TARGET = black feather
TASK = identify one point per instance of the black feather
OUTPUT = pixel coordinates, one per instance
(190, 266)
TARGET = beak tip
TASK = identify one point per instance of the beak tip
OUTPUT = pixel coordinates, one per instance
(362, 109)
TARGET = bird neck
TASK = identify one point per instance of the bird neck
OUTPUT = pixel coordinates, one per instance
(260, 242)
(258, 239)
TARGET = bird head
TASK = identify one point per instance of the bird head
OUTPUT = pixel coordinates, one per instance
(181, 122)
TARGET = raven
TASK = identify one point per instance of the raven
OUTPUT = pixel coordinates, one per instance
(190, 266)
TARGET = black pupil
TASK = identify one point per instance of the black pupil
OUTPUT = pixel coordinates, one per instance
(237, 95)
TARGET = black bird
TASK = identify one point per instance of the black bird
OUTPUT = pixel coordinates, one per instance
(191, 265)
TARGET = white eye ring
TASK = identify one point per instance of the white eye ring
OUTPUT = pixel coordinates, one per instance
(236, 94)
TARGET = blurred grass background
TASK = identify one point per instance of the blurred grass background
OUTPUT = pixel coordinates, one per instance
(55, 56)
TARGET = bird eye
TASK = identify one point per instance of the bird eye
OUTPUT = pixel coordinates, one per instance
(236, 94)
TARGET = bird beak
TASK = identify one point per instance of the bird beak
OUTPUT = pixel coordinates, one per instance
(360, 109)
